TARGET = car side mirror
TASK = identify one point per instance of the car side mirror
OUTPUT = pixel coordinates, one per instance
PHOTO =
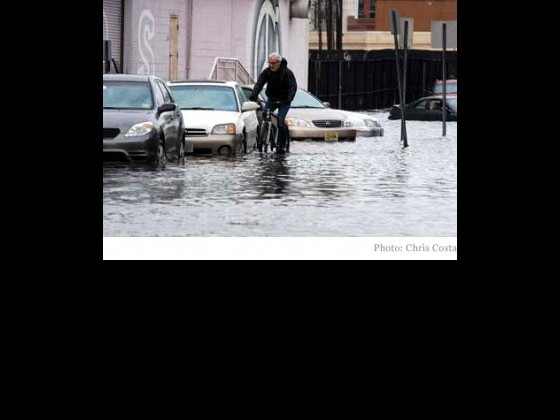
(166, 108)
(327, 104)
(250, 106)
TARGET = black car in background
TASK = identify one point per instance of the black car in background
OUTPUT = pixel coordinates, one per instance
(426, 109)
(141, 121)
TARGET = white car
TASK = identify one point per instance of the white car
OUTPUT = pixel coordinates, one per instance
(365, 125)
(308, 117)
(218, 117)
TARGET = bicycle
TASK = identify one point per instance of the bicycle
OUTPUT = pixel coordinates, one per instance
(269, 132)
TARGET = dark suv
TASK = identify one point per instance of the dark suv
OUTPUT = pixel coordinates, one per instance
(141, 121)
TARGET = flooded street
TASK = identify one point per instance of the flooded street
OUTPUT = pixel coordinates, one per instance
(370, 187)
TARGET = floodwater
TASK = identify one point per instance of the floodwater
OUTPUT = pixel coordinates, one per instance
(371, 187)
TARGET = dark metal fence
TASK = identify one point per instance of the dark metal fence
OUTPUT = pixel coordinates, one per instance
(359, 80)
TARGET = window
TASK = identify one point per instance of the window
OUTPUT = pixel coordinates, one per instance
(435, 105)
(241, 94)
(248, 92)
(366, 9)
(127, 95)
(164, 92)
(372, 8)
(421, 105)
(206, 97)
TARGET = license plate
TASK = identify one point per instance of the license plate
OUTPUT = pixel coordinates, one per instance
(190, 148)
(331, 136)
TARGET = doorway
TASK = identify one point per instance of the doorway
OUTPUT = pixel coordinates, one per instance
(173, 47)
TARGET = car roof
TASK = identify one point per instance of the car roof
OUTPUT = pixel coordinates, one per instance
(128, 77)
(447, 82)
(437, 97)
(202, 82)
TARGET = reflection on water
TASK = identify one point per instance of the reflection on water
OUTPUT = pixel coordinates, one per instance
(371, 187)
(273, 176)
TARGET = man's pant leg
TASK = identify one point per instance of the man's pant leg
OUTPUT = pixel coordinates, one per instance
(282, 127)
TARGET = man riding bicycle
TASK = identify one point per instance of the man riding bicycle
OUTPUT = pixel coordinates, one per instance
(281, 87)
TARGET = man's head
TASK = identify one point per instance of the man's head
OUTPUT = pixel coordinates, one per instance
(274, 61)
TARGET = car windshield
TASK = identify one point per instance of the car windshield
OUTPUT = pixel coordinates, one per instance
(218, 98)
(449, 88)
(452, 103)
(127, 95)
(303, 99)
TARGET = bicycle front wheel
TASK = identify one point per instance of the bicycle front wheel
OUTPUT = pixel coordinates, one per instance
(262, 143)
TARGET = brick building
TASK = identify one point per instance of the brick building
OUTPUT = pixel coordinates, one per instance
(366, 26)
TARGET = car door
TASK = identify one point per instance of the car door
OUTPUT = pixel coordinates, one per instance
(250, 120)
(248, 92)
(416, 111)
(434, 111)
(171, 121)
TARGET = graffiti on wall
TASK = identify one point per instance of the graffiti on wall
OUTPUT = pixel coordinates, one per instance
(146, 33)
(266, 34)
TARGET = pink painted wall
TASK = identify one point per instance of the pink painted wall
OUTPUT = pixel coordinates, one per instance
(146, 36)
(220, 28)
(217, 28)
(226, 28)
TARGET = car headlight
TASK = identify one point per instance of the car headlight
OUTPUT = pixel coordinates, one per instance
(372, 123)
(292, 121)
(353, 122)
(224, 129)
(140, 129)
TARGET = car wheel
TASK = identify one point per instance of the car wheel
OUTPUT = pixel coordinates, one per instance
(160, 159)
(181, 153)
(259, 143)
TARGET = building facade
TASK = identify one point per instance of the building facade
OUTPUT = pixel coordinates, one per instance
(366, 26)
(181, 39)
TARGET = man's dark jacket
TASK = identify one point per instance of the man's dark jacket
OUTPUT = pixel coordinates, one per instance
(281, 85)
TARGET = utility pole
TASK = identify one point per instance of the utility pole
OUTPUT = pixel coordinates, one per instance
(339, 25)
(330, 29)
(444, 77)
(395, 30)
(319, 19)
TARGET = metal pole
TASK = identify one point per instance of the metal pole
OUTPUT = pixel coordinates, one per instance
(405, 49)
(395, 31)
(403, 123)
(317, 75)
(444, 78)
(339, 83)
(115, 65)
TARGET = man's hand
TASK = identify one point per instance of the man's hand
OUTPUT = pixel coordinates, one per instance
(253, 98)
